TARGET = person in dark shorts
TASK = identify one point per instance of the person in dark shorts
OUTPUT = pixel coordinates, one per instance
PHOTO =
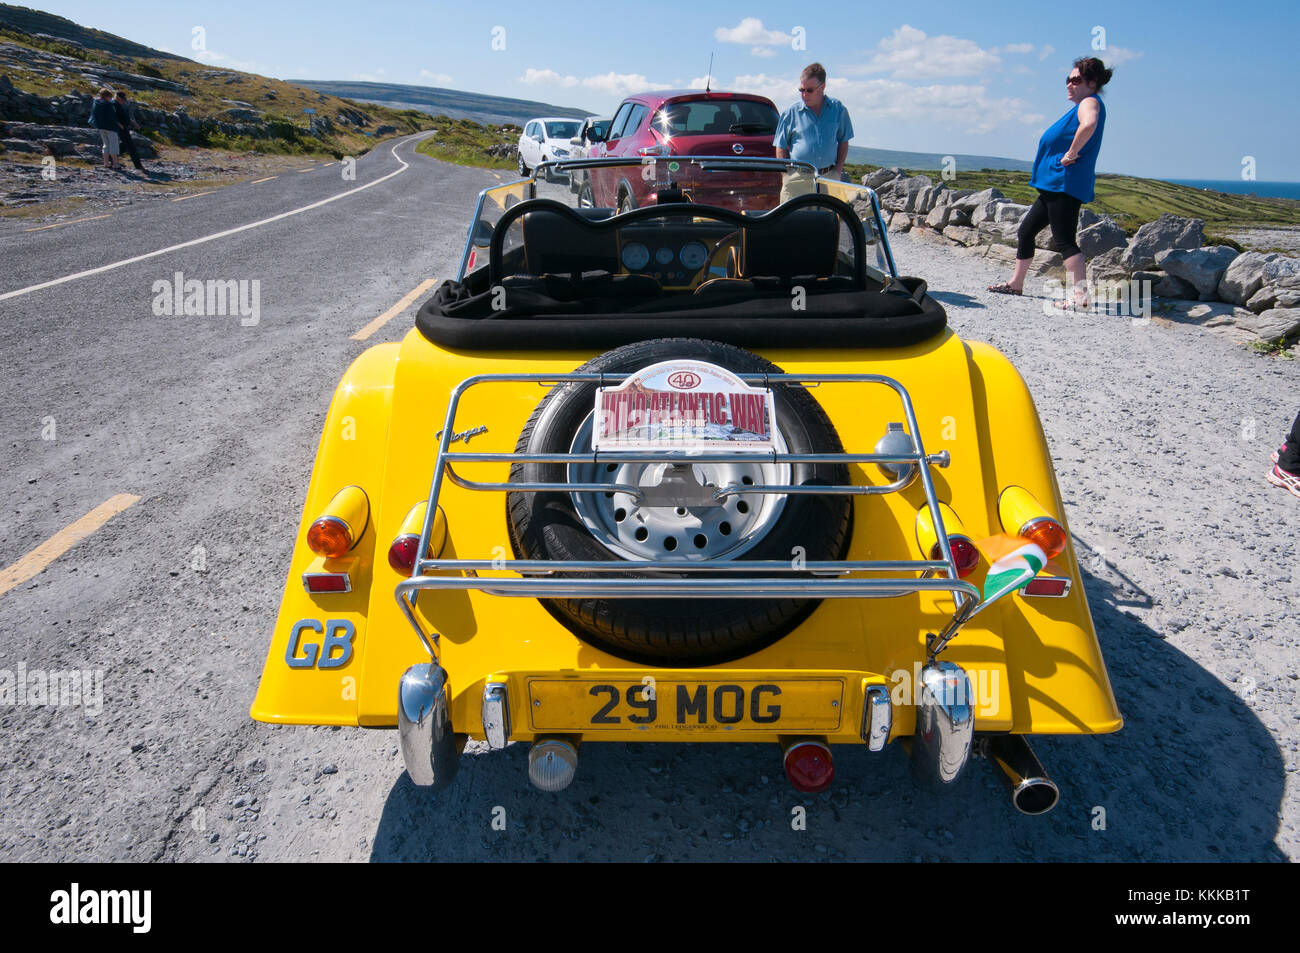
(1286, 462)
(1064, 172)
(123, 110)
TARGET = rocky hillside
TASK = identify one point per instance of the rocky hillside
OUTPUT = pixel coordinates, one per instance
(50, 68)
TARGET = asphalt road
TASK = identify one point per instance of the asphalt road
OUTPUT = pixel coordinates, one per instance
(213, 425)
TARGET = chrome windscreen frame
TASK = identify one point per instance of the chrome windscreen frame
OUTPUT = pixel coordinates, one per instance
(847, 191)
(552, 579)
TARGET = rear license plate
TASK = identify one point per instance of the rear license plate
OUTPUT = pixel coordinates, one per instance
(590, 705)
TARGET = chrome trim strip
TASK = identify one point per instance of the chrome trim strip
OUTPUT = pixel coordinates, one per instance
(496, 714)
(877, 718)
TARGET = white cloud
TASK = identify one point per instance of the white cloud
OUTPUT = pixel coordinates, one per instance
(614, 84)
(440, 78)
(911, 54)
(547, 77)
(1045, 52)
(751, 32)
(761, 51)
(874, 101)
(1115, 55)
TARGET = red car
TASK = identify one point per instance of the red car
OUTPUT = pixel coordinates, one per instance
(689, 123)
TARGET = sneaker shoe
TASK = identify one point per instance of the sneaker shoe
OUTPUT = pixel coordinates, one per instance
(1285, 479)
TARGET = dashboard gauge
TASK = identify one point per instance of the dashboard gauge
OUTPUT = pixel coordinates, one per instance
(693, 255)
(635, 256)
(664, 256)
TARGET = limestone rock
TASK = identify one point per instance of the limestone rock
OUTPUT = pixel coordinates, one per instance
(874, 180)
(962, 234)
(987, 212)
(1200, 267)
(1244, 276)
(1107, 267)
(1171, 286)
(1167, 232)
(1273, 324)
(1101, 236)
(973, 200)
(1010, 212)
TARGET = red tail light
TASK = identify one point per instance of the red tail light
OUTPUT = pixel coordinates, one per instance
(809, 766)
(964, 554)
(401, 555)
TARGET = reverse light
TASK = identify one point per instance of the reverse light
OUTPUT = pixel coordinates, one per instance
(964, 551)
(1022, 515)
(809, 766)
(339, 528)
(402, 554)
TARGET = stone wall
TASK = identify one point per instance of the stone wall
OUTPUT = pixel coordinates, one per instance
(1167, 252)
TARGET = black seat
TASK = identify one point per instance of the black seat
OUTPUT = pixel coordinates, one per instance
(807, 244)
(553, 243)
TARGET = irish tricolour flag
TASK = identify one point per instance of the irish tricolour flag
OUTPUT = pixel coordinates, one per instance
(1013, 570)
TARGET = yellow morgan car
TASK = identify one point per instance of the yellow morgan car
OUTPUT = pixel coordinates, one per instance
(688, 473)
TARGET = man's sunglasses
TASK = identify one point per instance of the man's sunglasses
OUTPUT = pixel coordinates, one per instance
(812, 89)
(1074, 80)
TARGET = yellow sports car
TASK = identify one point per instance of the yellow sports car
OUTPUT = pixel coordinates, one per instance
(694, 474)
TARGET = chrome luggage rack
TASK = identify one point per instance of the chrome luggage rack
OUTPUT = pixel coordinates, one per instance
(552, 579)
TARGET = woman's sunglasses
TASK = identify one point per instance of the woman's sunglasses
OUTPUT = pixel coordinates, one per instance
(1074, 80)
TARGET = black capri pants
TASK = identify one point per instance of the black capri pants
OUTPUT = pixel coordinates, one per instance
(1058, 209)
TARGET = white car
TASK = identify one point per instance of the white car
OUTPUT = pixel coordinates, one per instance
(594, 129)
(544, 140)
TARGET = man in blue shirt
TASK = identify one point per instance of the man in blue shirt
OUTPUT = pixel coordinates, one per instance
(816, 130)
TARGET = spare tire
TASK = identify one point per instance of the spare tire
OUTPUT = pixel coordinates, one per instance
(690, 631)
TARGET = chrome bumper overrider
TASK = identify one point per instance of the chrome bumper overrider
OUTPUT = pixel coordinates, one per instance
(429, 747)
(945, 724)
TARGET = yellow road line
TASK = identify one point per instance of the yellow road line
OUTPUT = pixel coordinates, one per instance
(194, 196)
(73, 222)
(395, 310)
(267, 179)
(312, 169)
(58, 544)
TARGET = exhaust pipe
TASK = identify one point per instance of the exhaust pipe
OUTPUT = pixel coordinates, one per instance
(1032, 791)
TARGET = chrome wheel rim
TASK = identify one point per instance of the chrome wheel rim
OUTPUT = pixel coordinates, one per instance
(636, 531)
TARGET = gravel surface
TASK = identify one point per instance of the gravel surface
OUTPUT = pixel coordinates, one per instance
(1160, 433)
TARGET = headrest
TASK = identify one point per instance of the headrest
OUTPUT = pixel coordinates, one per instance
(555, 244)
(807, 244)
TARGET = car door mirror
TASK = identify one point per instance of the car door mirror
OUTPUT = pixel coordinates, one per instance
(575, 141)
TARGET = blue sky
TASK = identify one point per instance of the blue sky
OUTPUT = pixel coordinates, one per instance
(1196, 88)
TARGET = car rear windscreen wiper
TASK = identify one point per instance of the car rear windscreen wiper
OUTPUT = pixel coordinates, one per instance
(750, 128)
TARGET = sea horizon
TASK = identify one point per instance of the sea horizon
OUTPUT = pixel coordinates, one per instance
(1273, 190)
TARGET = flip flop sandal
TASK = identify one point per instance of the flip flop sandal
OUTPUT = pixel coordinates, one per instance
(1080, 307)
(1004, 289)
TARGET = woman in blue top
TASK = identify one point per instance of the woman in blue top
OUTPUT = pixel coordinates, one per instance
(1064, 170)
